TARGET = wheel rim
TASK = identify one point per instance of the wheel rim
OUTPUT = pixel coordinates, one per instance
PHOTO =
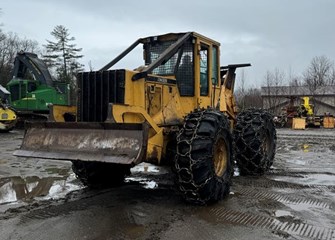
(266, 143)
(220, 158)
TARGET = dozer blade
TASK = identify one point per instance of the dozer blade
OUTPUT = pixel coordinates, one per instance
(101, 142)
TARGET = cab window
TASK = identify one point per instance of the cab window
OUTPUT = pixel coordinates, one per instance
(204, 65)
(215, 66)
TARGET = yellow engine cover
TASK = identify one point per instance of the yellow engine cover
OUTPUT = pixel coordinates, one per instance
(7, 119)
(7, 114)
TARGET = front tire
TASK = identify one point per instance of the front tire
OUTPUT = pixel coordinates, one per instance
(100, 174)
(203, 162)
(254, 141)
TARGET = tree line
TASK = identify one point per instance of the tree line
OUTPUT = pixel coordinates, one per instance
(10, 44)
(61, 55)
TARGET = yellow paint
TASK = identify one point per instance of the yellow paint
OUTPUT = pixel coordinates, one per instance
(155, 147)
(7, 114)
(8, 118)
(299, 123)
(307, 106)
(136, 114)
(328, 122)
(159, 104)
(57, 112)
(305, 148)
(132, 114)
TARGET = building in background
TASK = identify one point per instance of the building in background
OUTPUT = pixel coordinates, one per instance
(277, 98)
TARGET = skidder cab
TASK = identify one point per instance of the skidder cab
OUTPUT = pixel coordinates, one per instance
(177, 108)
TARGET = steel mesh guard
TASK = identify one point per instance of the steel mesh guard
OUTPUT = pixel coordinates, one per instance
(96, 91)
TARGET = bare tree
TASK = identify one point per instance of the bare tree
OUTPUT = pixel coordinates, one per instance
(273, 88)
(10, 44)
(240, 93)
(295, 82)
(318, 75)
(332, 76)
(253, 98)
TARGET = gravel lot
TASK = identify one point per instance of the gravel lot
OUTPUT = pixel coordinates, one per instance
(42, 199)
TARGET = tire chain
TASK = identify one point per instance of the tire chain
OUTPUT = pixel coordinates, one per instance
(254, 120)
(197, 116)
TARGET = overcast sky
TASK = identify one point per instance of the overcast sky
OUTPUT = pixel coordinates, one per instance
(284, 34)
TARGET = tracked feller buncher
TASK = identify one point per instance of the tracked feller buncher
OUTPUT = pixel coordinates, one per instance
(178, 108)
(33, 90)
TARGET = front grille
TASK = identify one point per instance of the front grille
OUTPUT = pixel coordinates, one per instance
(96, 91)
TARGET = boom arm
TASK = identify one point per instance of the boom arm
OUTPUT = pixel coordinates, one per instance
(226, 101)
(229, 73)
(39, 69)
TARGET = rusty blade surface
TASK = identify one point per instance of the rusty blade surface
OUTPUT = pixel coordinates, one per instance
(102, 142)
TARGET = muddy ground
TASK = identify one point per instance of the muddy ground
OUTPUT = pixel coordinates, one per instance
(296, 200)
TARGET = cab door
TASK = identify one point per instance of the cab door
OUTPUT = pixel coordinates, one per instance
(202, 75)
(207, 74)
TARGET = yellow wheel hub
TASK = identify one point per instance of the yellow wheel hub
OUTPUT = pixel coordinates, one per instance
(220, 157)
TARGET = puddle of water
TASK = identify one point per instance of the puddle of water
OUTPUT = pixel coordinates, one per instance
(148, 184)
(305, 148)
(297, 161)
(310, 179)
(148, 168)
(322, 179)
(300, 147)
(16, 189)
(283, 213)
(3, 161)
(61, 188)
(299, 207)
(236, 172)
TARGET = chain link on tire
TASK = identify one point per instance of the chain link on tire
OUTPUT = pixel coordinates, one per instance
(99, 174)
(201, 177)
(254, 141)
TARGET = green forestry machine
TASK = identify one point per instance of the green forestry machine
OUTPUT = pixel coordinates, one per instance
(178, 108)
(32, 88)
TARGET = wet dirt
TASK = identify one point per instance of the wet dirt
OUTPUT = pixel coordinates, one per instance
(42, 199)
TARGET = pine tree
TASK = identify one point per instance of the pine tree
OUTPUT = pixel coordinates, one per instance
(63, 55)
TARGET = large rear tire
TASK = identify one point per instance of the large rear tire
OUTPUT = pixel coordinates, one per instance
(99, 174)
(254, 141)
(203, 162)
